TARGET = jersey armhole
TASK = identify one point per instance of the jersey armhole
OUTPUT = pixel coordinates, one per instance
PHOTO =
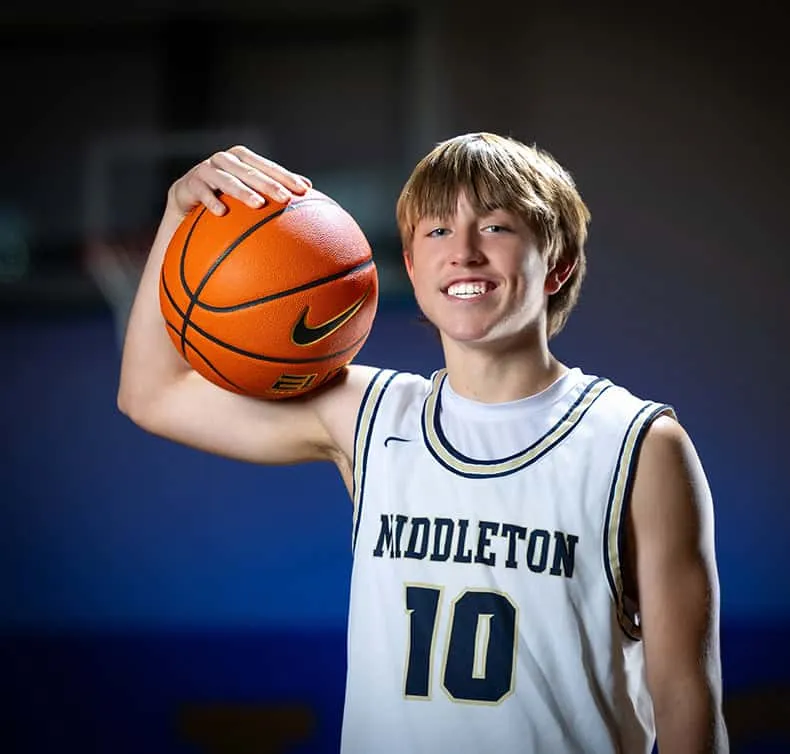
(368, 409)
(616, 510)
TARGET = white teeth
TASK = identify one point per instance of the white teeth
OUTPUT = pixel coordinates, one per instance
(466, 290)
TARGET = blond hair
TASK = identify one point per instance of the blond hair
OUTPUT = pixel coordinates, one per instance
(497, 172)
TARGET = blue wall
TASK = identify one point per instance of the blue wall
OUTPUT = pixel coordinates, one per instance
(140, 580)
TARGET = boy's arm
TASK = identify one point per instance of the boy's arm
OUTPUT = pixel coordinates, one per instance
(162, 394)
(678, 591)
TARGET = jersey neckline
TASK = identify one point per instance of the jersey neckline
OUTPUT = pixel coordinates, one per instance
(452, 459)
(496, 411)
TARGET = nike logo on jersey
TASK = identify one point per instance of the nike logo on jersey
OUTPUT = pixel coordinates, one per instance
(306, 335)
(394, 438)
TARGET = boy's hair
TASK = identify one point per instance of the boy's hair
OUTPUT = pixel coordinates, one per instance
(497, 172)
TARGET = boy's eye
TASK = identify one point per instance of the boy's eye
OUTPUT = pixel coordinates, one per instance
(495, 229)
(438, 232)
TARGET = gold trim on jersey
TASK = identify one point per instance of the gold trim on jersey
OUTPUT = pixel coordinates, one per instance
(482, 640)
(619, 496)
(451, 459)
(367, 412)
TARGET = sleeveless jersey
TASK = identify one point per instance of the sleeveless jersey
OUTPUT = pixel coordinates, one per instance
(487, 610)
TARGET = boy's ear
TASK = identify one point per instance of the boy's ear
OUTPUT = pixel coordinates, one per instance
(407, 260)
(559, 274)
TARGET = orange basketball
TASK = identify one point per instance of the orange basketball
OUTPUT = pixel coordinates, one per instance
(269, 302)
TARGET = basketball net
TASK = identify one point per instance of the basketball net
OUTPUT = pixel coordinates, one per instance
(115, 267)
(125, 182)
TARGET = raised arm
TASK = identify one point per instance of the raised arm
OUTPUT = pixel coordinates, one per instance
(161, 393)
(678, 592)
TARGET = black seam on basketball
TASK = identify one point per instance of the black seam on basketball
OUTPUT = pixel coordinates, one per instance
(205, 360)
(194, 295)
(182, 335)
(259, 357)
(293, 205)
(282, 294)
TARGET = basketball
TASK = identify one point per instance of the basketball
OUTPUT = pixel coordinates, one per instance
(270, 302)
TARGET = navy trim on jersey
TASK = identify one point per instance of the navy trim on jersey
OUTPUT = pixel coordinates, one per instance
(617, 505)
(465, 466)
(374, 393)
(358, 424)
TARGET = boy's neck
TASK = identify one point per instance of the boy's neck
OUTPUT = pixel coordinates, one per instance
(490, 375)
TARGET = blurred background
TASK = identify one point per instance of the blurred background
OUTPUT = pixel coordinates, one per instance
(156, 599)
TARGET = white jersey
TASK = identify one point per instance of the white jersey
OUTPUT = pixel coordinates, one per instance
(487, 611)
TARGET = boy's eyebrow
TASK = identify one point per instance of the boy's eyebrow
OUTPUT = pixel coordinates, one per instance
(432, 217)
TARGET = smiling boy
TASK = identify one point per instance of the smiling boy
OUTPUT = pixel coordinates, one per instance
(534, 566)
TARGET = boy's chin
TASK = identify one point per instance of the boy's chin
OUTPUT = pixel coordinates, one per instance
(489, 339)
(470, 337)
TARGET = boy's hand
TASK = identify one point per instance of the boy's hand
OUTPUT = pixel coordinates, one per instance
(238, 172)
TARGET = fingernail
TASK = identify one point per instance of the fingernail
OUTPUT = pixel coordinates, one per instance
(256, 201)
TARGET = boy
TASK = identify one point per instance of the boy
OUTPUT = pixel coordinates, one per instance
(534, 566)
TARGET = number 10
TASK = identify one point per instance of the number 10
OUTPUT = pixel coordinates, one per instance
(479, 660)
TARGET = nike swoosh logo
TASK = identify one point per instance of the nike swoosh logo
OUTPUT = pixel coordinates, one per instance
(393, 438)
(305, 335)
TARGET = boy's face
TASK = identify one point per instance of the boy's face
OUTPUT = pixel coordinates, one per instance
(478, 279)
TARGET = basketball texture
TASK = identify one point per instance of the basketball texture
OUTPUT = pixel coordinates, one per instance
(269, 302)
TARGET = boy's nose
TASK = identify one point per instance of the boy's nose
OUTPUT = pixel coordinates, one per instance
(466, 249)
